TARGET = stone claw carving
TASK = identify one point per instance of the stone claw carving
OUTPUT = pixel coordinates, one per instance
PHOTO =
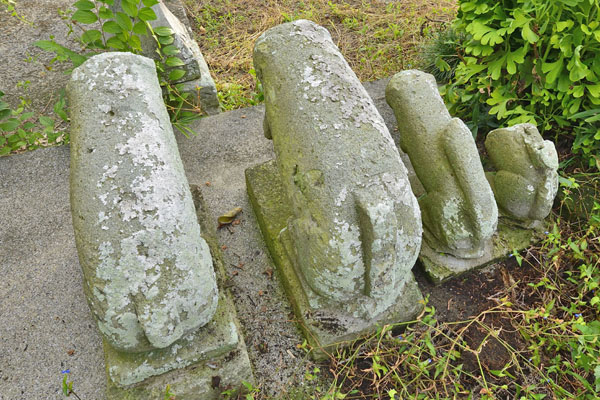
(356, 227)
(148, 273)
(458, 209)
(526, 180)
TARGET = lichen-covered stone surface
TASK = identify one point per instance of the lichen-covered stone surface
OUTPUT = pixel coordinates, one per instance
(458, 209)
(148, 274)
(526, 178)
(198, 81)
(325, 323)
(189, 365)
(355, 227)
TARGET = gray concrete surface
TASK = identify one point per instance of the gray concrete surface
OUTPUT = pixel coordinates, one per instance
(20, 60)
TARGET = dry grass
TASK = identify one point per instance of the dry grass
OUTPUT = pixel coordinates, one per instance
(378, 38)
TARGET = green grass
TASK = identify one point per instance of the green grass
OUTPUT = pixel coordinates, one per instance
(377, 38)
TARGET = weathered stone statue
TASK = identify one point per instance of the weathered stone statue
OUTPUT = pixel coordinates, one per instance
(458, 209)
(149, 277)
(355, 224)
(526, 180)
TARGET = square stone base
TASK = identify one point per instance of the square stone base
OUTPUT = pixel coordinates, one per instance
(199, 366)
(508, 238)
(324, 323)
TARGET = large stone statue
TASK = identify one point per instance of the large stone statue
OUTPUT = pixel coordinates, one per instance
(526, 180)
(355, 225)
(149, 277)
(459, 211)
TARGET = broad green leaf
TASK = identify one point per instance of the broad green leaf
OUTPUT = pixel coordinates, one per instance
(552, 70)
(140, 28)
(495, 67)
(166, 40)
(18, 145)
(2, 140)
(91, 36)
(147, 14)
(5, 113)
(9, 125)
(562, 25)
(85, 17)
(46, 121)
(26, 116)
(134, 42)
(172, 50)
(578, 91)
(124, 21)
(594, 90)
(520, 20)
(585, 29)
(163, 31)
(50, 45)
(529, 35)
(4, 151)
(105, 13)
(515, 57)
(176, 74)
(149, 3)
(84, 5)
(129, 8)
(112, 27)
(109, 2)
(578, 70)
(174, 62)
(115, 43)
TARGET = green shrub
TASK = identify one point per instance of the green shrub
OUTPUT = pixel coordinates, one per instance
(532, 61)
(442, 54)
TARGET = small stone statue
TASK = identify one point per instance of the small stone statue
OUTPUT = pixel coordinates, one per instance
(356, 225)
(458, 209)
(148, 274)
(526, 180)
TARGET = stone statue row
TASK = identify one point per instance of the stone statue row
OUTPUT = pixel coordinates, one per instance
(355, 224)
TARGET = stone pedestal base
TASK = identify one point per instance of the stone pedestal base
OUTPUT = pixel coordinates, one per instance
(324, 323)
(199, 366)
(440, 267)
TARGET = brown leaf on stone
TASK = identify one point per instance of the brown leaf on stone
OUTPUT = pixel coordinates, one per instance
(229, 216)
(269, 273)
(224, 247)
(260, 293)
(71, 352)
(207, 183)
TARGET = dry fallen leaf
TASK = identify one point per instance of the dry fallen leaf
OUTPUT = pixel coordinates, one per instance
(207, 183)
(224, 247)
(70, 352)
(229, 216)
